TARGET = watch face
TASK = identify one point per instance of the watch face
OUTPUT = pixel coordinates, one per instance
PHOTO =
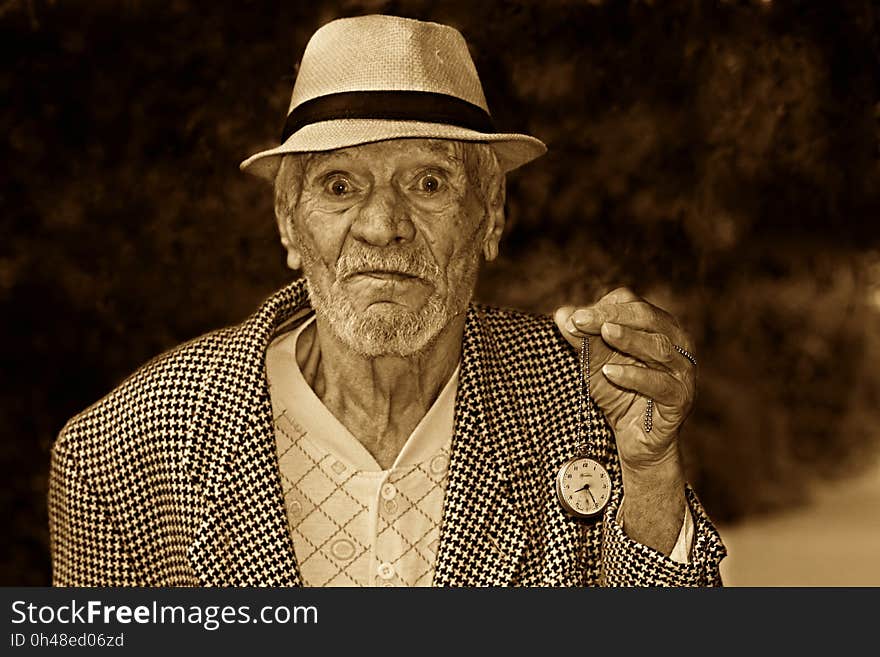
(583, 487)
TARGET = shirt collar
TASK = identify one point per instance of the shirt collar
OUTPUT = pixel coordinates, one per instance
(292, 396)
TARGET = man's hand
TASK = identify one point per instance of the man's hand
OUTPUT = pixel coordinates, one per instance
(632, 359)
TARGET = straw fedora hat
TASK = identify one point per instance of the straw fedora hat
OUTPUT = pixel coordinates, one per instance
(373, 78)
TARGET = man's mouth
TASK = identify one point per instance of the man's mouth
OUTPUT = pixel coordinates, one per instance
(386, 275)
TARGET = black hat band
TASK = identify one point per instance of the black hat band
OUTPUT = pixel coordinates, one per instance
(425, 106)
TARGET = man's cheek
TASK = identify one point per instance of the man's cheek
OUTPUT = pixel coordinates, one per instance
(325, 235)
(315, 267)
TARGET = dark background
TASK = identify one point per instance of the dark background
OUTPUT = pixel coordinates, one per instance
(720, 157)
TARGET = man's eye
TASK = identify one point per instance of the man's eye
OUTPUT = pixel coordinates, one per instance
(338, 186)
(429, 183)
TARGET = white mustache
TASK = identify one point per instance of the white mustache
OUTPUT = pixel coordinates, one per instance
(407, 263)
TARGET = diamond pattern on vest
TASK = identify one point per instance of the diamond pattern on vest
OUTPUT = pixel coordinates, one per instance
(332, 525)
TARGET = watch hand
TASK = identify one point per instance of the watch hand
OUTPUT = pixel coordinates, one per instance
(584, 487)
(591, 496)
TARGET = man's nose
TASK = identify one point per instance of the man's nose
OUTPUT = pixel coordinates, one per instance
(383, 219)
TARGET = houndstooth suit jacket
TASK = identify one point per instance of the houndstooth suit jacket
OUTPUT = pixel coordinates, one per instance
(172, 478)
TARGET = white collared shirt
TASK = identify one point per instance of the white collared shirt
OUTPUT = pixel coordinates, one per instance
(353, 523)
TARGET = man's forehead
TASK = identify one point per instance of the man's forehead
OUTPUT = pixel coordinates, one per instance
(444, 149)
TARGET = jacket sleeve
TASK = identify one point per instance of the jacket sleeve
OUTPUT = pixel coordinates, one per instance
(87, 550)
(628, 563)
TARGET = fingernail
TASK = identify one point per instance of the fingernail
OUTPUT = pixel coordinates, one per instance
(582, 317)
(612, 370)
(614, 330)
(570, 327)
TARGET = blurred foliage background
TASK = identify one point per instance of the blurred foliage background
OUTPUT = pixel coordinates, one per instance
(720, 157)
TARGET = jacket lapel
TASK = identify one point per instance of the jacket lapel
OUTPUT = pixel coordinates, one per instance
(483, 535)
(242, 536)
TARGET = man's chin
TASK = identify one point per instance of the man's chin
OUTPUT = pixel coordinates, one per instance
(381, 324)
(387, 328)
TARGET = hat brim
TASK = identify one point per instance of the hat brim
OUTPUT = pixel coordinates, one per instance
(513, 150)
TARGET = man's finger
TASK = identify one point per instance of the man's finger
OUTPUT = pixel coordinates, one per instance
(635, 314)
(645, 346)
(562, 317)
(619, 295)
(563, 314)
(662, 387)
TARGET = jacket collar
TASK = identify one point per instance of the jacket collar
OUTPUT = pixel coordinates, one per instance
(242, 537)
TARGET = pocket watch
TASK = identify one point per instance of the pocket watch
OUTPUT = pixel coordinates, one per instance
(583, 485)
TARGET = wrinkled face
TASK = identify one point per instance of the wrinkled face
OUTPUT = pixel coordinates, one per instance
(390, 236)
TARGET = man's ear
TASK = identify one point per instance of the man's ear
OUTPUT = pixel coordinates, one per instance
(494, 224)
(288, 238)
(288, 181)
(294, 257)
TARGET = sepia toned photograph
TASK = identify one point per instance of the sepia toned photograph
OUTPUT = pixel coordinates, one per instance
(575, 293)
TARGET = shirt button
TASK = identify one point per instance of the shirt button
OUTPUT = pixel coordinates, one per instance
(342, 549)
(386, 570)
(438, 464)
(388, 491)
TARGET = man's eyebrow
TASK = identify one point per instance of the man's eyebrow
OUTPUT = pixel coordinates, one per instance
(321, 156)
(446, 151)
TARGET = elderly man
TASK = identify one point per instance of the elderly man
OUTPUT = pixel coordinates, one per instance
(369, 425)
